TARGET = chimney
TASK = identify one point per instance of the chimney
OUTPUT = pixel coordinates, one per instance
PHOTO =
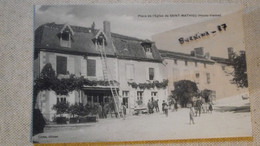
(207, 55)
(193, 53)
(93, 27)
(199, 51)
(230, 52)
(242, 52)
(106, 25)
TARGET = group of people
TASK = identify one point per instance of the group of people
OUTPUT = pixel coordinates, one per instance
(199, 106)
(153, 104)
(104, 109)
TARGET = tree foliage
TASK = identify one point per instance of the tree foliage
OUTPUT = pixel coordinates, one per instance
(206, 93)
(184, 90)
(149, 85)
(240, 71)
(61, 108)
(49, 81)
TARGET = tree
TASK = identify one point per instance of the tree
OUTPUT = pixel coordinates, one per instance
(184, 90)
(206, 93)
(240, 71)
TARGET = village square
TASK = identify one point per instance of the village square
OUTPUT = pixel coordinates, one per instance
(94, 85)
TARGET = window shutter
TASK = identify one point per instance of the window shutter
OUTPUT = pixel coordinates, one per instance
(91, 67)
(147, 73)
(129, 71)
(71, 66)
(156, 74)
(83, 67)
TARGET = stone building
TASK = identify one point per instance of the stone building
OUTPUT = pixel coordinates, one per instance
(76, 50)
(201, 53)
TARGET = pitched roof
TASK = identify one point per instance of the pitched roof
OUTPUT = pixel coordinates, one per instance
(123, 47)
(46, 37)
(131, 48)
(183, 56)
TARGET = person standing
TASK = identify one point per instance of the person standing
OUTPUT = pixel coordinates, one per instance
(100, 112)
(123, 110)
(163, 104)
(210, 107)
(176, 106)
(165, 108)
(148, 106)
(156, 105)
(192, 115)
(105, 110)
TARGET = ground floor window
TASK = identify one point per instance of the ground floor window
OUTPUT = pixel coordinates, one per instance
(97, 97)
(61, 99)
(125, 95)
(153, 95)
(140, 97)
(125, 101)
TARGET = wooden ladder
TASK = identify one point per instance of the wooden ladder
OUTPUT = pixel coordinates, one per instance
(106, 72)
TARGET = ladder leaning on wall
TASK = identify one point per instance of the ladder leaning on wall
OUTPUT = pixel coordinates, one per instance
(106, 73)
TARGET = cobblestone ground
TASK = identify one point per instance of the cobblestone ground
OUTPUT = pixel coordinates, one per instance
(230, 118)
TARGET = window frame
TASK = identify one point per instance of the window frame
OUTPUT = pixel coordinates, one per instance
(208, 78)
(197, 75)
(63, 42)
(140, 95)
(132, 76)
(125, 97)
(61, 99)
(59, 69)
(149, 73)
(175, 61)
(89, 71)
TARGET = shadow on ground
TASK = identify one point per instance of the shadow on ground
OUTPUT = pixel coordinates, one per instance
(236, 109)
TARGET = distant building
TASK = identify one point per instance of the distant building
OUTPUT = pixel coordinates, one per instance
(201, 53)
(213, 73)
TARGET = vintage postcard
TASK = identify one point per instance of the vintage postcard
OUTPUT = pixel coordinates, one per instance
(154, 72)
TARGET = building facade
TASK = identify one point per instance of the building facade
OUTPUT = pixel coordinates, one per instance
(76, 50)
(140, 71)
(208, 72)
(201, 52)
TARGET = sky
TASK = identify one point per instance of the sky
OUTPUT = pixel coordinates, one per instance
(129, 19)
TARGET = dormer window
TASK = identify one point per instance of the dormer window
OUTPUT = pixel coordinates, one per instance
(147, 45)
(65, 40)
(148, 50)
(100, 39)
(65, 36)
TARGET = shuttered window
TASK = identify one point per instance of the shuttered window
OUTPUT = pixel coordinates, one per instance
(208, 78)
(91, 67)
(61, 65)
(151, 73)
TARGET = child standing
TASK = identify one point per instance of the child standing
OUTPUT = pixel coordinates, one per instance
(210, 107)
(192, 115)
(165, 108)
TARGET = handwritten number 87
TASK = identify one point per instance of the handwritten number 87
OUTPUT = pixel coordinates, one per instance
(222, 26)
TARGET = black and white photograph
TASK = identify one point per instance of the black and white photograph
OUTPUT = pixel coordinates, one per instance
(139, 72)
